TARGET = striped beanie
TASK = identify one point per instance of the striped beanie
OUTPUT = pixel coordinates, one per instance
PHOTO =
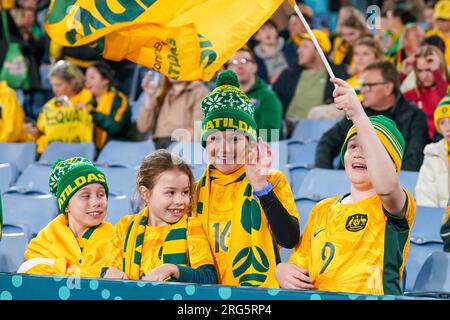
(68, 176)
(391, 138)
(442, 111)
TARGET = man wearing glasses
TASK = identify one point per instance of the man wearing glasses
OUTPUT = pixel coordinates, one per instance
(381, 96)
(267, 105)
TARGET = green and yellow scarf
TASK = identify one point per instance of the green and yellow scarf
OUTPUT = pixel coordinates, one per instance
(252, 252)
(174, 250)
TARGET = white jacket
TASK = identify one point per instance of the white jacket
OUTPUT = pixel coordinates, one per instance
(432, 188)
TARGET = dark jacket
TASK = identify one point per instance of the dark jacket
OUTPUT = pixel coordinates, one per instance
(410, 120)
(287, 83)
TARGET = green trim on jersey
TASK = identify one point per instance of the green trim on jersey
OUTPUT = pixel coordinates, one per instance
(395, 238)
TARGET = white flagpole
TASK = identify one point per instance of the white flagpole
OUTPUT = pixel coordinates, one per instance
(314, 40)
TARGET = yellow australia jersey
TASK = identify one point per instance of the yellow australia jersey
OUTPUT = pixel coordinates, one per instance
(154, 238)
(69, 124)
(357, 248)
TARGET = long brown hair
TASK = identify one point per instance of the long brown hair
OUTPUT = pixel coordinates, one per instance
(426, 51)
(158, 162)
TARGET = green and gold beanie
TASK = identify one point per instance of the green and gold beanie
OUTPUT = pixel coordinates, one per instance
(68, 176)
(227, 108)
(442, 111)
(391, 138)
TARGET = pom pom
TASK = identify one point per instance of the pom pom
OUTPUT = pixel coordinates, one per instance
(228, 77)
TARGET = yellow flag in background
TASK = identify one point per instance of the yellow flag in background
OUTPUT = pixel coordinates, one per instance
(183, 39)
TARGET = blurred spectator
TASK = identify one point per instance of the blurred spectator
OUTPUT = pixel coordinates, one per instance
(350, 29)
(306, 85)
(268, 108)
(380, 89)
(412, 9)
(445, 228)
(428, 15)
(12, 117)
(365, 51)
(110, 109)
(396, 20)
(272, 56)
(174, 105)
(410, 41)
(432, 79)
(442, 20)
(63, 118)
(432, 188)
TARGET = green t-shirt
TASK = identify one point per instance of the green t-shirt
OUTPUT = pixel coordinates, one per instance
(308, 94)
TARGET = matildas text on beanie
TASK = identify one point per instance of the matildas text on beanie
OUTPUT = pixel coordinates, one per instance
(68, 176)
(227, 108)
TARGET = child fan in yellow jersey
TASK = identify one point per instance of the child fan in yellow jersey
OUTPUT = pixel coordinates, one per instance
(358, 242)
(162, 241)
(246, 210)
(109, 107)
(77, 241)
(62, 118)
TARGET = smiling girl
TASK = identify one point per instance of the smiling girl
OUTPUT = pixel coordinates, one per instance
(162, 242)
(76, 241)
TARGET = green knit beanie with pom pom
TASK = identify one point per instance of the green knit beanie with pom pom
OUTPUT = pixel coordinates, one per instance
(227, 108)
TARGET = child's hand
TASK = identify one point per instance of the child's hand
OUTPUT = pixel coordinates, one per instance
(346, 99)
(289, 276)
(433, 61)
(258, 162)
(115, 273)
(162, 273)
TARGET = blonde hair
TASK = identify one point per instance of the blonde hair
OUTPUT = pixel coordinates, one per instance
(68, 72)
(426, 51)
(372, 44)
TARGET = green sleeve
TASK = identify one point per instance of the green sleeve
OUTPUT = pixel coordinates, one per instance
(270, 114)
(108, 122)
(205, 274)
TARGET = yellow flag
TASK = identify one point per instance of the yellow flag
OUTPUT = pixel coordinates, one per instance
(183, 39)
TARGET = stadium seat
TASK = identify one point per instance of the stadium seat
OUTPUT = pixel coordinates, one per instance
(8, 174)
(427, 224)
(32, 210)
(19, 154)
(309, 130)
(118, 206)
(302, 153)
(304, 207)
(135, 106)
(33, 179)
(197, 171)
(297, 174)
(123, 153)
(12, 247)
(285, 254)
(324, 183)
(417, 255)
(121, 181)
(408, 180)
(192, 152)
(60, 150)
(434, 276)
(280, 156)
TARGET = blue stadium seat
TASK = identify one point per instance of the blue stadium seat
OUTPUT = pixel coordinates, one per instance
(309, 130)
(297, 174)
(19, 154)
(304, 207)
(118, 206)
(121, 181)
(302, 153)
(408, 180)
(285, 254)
(192, 152)
(197, 171)
(417, 255)
(433, 278)
(123, 153)
(427, 224)
(280, 156)
(33, 179)
(135, 106)
(12, 247)
(8, 174)
(32, 210)
(324, 183)
(60, 150)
